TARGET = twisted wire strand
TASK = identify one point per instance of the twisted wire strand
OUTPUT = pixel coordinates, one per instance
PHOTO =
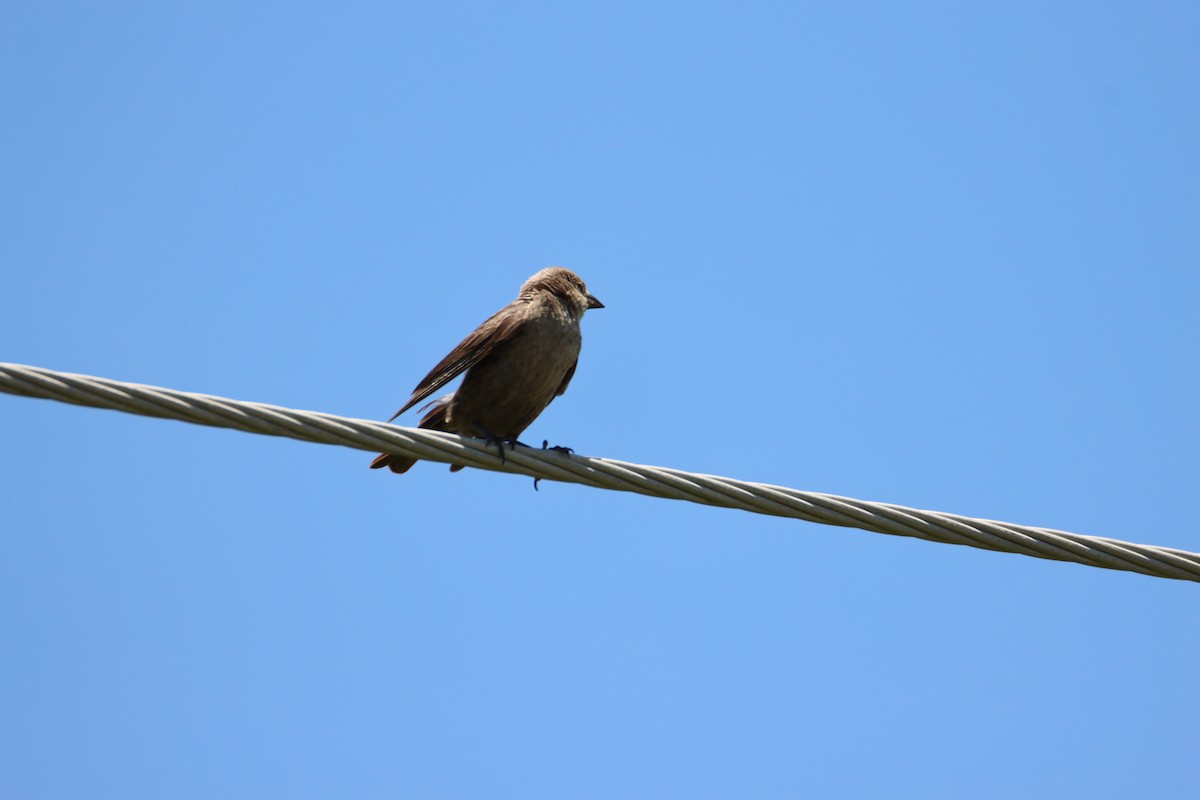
(601, 473)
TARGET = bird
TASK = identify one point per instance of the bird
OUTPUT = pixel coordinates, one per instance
(516, 362)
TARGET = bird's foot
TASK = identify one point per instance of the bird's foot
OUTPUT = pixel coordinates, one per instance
(567, 451)
(557, 448)
(512, 442)
(500, 441)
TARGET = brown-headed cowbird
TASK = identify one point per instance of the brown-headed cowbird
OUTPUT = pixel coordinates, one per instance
(516, 362)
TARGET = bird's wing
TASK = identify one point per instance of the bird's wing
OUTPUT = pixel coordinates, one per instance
(497, 329)
(562, 387)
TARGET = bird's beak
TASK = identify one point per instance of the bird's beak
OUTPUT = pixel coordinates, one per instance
(594, 303)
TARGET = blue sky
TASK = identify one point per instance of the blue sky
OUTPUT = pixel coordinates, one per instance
(936, 254)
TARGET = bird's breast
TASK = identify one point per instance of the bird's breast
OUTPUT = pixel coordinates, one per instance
(504, 392)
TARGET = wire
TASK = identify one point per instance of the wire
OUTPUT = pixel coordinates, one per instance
(603, 473)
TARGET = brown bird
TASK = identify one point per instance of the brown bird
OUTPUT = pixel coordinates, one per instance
(516, 362)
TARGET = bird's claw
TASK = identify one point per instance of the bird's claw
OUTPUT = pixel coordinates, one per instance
(557, 448)
(491, 438)
(499, 445)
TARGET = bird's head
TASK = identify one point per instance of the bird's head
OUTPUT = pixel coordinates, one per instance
(564, 285)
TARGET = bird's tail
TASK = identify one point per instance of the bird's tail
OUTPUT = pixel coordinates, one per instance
(393, 462)
(435, 420)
